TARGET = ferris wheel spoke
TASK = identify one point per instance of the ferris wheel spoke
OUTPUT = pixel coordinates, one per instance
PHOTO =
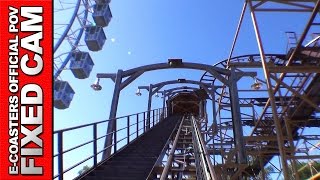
(68, 27)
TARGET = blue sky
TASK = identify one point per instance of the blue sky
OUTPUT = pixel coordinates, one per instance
(153, 31)
(149, 31)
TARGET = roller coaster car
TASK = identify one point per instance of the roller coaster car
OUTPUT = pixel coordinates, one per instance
(95, 38)
(63, 94)
(101, 15)
(81, 64)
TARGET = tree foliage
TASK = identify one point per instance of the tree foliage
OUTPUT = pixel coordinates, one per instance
(307, 169)
(267, 172)
(84, 169)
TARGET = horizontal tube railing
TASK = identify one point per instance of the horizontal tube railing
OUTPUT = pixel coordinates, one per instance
(156, 115)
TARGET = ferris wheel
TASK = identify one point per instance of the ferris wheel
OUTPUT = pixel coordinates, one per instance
(78, 29)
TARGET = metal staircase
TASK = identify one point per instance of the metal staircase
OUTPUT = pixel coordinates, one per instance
(135, 161)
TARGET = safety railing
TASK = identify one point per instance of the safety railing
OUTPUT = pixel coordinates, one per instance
(204, 169)
(128, 128)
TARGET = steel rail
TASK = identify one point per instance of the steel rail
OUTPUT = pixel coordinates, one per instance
(170, 158)
(210, 173)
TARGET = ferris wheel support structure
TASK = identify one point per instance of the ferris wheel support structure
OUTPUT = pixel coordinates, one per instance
(57, 45)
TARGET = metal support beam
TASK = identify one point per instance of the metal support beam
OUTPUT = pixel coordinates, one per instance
(303, 97)
(236, 118)
(215, 71)
(149, 106)
(214, 117)
(263, 58)
(292, 149)
(237, 32)
(201, 113)
(306, 30)
(131, 79)
(271, 95)
(294, 69)
(113, 113)
(164, 101)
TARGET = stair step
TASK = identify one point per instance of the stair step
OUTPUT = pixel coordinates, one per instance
(133, 159)
(117, 165)
(140, 155)
(120, 171)
(141, 150)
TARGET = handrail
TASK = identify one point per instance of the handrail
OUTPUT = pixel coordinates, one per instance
(157, 115)
(99, 122)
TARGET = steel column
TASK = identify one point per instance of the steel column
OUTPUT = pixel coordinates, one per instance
(164, 102)
(236, 118)
(128, 129)
(137, 125)
(112, 115)
(214, 119)
(60, 155)
(292, 148)
(237, 33)
(205, 110)
(144, 122)
(149, 106)
(95, 147)
(201, 109)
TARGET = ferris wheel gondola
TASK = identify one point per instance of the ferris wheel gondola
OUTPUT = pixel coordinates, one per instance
(74, 37)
